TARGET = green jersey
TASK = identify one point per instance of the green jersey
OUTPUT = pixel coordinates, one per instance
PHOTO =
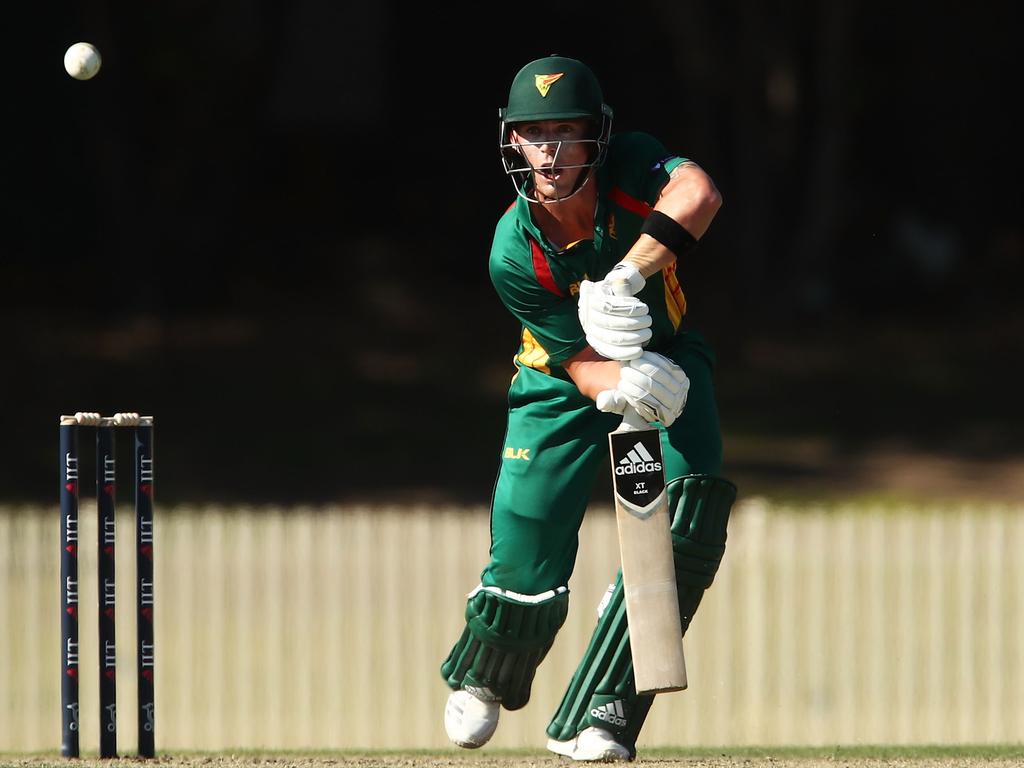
(539, 283)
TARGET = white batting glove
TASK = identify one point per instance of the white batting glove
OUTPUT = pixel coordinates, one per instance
(612, 401)
(616, 323)
(625, 280)
(652, 384)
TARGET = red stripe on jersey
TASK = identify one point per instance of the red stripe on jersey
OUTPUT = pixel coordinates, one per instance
(630, 203)
(542, 269)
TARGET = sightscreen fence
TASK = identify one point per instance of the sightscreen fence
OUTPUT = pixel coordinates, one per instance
(320, 628)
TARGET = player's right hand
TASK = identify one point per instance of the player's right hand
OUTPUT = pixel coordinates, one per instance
(612, 401)
(617, 327)
(656, 387)
(652, 384)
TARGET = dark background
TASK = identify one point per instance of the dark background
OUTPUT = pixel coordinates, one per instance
(267, 224)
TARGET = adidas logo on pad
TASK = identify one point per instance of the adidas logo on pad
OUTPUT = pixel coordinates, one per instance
(610, 713)
(638, 460)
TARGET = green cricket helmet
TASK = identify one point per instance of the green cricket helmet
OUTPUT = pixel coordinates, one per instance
(554, 88)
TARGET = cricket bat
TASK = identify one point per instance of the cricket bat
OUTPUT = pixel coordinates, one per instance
(645, 545)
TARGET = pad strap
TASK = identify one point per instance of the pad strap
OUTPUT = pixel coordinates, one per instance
(504, 642)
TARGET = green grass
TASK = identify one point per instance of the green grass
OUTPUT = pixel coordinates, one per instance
(933, 752)
(865, 752)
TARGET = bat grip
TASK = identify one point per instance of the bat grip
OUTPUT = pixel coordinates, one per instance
(632, 421)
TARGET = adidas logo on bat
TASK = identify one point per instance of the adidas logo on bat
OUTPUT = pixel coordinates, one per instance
(638, 461)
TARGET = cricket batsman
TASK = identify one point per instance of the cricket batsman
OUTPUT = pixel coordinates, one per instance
(594, 212)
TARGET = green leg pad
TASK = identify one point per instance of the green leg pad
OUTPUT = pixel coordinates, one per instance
(504, 642)
(601, 692)
(702, 504)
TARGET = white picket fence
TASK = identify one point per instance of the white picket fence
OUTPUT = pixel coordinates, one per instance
(324, 628)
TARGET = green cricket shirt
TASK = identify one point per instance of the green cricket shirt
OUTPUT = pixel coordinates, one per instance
(539, 284)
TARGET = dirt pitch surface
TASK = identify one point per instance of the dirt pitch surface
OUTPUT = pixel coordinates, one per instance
(925, 757)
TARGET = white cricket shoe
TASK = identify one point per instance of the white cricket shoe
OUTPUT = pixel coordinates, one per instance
(591, 744)
(471, 716)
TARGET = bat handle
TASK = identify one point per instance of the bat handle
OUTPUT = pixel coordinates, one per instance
(632, 421)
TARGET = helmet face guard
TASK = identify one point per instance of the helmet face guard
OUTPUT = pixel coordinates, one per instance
(519, 169)
(553, 88)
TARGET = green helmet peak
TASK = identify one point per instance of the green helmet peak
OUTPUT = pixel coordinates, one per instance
(552, 88)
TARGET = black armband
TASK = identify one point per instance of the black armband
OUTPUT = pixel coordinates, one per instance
(669, 233)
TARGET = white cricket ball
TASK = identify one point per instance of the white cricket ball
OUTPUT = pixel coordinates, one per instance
(82, 61)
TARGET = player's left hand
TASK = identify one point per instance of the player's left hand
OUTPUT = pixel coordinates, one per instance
(617, 327)
(655, 386)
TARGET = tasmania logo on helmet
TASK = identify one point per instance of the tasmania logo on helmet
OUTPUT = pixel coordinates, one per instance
(544, 82)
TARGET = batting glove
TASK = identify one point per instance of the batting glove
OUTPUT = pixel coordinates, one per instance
(616, 323)
(652, 384)
(625, 280)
